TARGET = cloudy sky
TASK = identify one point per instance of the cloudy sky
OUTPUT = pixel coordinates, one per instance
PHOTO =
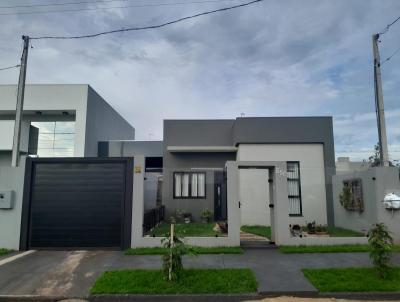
(274, 58)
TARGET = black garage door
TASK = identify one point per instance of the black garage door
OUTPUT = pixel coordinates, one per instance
(78, 203)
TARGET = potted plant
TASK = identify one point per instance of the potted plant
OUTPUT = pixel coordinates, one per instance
(187, 217)
(311, 227)
(206, 216)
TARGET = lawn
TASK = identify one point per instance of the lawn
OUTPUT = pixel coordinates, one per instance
(196, 249)
(192, 281)
(5, 252)
(345, 248)
(193, 229)
(352, 280)
(264, 231)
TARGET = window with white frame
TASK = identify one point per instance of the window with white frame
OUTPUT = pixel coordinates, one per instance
(294, 188)
(189, 185)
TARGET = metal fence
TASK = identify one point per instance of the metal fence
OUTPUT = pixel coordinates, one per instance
(152, 218)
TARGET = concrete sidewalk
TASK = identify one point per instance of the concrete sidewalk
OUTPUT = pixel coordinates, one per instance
(72, 273)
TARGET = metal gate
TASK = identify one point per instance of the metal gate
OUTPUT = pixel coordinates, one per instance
(77, 203)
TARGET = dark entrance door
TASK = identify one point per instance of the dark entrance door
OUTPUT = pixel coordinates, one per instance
(78, 203)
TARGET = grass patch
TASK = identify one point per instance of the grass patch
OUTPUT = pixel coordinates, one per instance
(344, 248)
(264, 231)
(193, 229)
(340, 232)
(196, 249)
(5, 252)
(352, 280)
(192, 281)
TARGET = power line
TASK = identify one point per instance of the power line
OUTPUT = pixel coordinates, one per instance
(386, 29)
(110, 7)
(65, 3)
(391, 56)
(148, 27)
(10, 67)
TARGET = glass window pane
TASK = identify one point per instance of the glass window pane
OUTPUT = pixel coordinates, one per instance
(194, 185)
(55, 139)
(201, 185)
(185, 185)
(178, 185)
(293, 188)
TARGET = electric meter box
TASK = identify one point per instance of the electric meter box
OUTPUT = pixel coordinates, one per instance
(6, 200)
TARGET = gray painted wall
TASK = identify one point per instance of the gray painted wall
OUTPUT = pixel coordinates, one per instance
(285, 130)
(103, 123)
(133, 148)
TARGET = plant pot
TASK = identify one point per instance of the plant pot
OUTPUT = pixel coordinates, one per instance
(187, 220)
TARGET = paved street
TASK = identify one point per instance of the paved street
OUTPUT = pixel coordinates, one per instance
(72, 273)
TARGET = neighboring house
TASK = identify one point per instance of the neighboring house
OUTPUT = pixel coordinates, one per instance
(344, 165)
(59, 121)
(196, 152)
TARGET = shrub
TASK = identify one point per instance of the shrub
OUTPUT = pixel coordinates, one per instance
(206, 215)
(381, 243)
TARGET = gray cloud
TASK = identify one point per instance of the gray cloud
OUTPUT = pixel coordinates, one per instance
(281, 58)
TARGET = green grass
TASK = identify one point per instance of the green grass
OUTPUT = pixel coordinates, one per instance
(352, 280)
(5, 251)
(264, 231)
(340, 232)
(345, 248)
(192, 281)
(196, 249)
(193, 229)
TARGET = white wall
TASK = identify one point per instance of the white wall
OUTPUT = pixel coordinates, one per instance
(312, 173)
(49, 98)
(7, 135)
(254, 197)
(11, 179)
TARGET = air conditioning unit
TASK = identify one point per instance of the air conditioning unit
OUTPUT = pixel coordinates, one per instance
(391, 201)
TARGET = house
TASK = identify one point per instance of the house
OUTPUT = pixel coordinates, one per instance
(196, 153)
(61, 128)
(87, 183)
(60, 121)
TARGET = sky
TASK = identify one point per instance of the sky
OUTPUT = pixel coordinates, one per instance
(273, 58)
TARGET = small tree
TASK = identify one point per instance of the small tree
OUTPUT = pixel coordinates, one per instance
(172, 260)
(381, 243)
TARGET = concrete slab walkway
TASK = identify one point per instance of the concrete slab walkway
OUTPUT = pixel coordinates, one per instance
(72, 273)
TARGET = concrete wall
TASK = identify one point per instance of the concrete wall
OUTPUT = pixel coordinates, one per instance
(292, 130)
(376, 182)
(52, 99)
(103, 123)
(11, 179)
(312, 175)
(133, 148)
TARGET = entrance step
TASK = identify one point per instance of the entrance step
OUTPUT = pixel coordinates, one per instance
(247, 244)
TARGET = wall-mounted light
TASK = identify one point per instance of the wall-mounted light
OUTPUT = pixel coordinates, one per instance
(38, 112)
(65, 113)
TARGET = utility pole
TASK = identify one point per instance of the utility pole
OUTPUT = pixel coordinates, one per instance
(20, 104)
(380, 111)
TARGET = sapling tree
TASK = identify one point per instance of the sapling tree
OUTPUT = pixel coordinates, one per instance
(172, 260)
(381, 243)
